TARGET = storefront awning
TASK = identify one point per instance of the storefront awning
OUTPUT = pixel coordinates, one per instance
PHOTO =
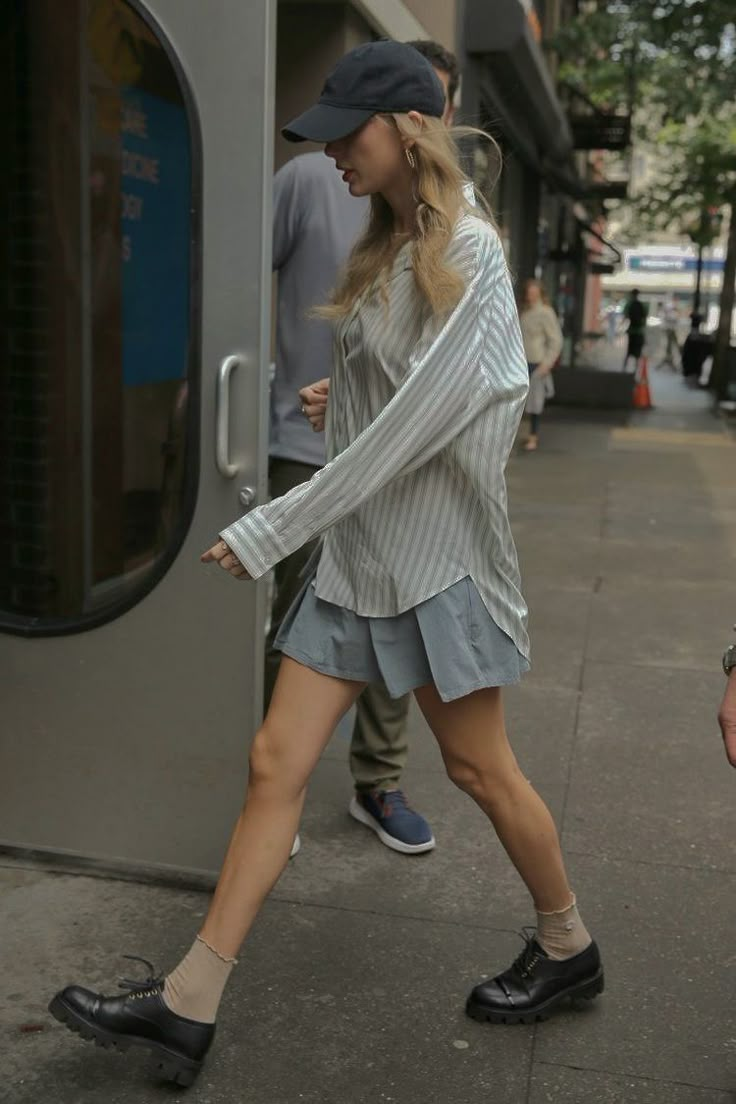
(500, 35)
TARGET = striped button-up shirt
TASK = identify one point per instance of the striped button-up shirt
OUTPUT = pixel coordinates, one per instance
(421, 418)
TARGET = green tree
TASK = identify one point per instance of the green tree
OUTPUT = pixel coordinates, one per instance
(673, 64)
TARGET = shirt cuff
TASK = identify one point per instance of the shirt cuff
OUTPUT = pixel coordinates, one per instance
(255, 543)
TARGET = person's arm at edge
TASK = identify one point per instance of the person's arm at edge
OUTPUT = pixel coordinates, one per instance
(727, 718)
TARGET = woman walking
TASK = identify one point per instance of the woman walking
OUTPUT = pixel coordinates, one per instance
(417, 583)
(542, 337)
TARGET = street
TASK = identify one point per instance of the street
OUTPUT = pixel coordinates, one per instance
(352, 986)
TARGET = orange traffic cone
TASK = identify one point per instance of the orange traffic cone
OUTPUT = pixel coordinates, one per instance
(642, 399)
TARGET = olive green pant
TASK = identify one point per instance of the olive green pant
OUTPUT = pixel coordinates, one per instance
(379, 746)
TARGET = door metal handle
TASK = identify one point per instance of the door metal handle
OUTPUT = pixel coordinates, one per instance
(222, 417)
(247, 496)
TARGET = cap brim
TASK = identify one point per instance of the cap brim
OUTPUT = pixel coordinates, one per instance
(325, 123)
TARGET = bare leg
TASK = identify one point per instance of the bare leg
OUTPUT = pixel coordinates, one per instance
(478, 757)
(532, 441)
(177, 1019)
(305, 710)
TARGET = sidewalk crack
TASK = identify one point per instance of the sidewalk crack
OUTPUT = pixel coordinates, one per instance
(634, 1076)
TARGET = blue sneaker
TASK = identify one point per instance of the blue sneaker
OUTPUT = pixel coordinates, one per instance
(387, 813)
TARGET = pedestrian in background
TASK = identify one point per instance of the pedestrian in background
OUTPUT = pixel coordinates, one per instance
(418, 580)
(316, 222)
(542, 337)
(636, 313)
(672, 345)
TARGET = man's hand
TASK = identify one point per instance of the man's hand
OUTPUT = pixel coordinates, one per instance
(543, 370)
(314, 403)
(727, 718)
(225, 558)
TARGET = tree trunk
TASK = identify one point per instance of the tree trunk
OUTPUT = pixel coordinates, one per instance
(719, 376)
(698, 281)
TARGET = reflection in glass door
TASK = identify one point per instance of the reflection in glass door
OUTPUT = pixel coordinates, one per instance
(97, 438)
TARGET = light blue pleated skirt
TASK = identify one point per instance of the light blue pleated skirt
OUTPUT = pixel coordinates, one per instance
(450, 640)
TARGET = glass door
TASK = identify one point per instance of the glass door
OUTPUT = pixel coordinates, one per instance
(133, 401)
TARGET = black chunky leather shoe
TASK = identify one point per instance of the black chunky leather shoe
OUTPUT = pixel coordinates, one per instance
(138, 1018)
(536, 984)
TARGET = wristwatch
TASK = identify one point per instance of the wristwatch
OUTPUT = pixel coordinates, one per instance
(729, 659)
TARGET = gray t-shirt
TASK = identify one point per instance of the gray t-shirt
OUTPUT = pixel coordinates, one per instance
(315, 224)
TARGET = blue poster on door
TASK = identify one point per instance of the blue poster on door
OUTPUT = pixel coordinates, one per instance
(155, 213)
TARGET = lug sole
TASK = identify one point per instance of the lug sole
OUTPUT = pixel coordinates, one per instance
(174, 1067)
(585, 990)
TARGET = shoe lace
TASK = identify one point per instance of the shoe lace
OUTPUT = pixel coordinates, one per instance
(393, 801)
(526, 962)
(141, 987)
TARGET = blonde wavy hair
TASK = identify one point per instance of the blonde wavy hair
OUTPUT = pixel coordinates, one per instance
(439, 183)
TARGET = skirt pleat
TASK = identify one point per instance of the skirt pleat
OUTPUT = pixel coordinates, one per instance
(450, 640)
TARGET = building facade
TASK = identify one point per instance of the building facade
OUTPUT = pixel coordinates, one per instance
(550, 188)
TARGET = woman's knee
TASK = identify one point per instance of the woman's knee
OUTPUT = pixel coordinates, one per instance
(486, 783)
(273, 765)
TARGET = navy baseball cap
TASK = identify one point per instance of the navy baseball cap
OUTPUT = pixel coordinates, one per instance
(373, 78)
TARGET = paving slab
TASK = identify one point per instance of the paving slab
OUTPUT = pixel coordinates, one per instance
(652, 556)
(539, 486)
(680, 532)
(692, 489)
(666, 938)
(648, 779)
(561, 1085)
(579, 520)
(552, 552)
(679, 623)
(558, 624)
(679, 509)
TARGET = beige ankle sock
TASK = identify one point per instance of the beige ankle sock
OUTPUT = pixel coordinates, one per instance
(562, 934)
(194, 988)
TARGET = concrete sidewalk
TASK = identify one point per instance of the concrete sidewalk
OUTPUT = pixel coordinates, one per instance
(352, 987)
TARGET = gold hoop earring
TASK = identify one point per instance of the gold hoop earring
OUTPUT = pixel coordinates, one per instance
(410, 158)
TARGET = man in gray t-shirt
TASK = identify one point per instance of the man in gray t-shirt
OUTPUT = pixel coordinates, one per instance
(315, 225)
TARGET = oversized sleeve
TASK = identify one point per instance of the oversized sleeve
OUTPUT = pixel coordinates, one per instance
(552, 336)
(462, 364)
(287, 212)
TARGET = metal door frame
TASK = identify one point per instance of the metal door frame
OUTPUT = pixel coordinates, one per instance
(253, 453)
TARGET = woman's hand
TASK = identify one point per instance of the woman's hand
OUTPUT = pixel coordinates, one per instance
(314, 403)
(543, 370)
(225, 558)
